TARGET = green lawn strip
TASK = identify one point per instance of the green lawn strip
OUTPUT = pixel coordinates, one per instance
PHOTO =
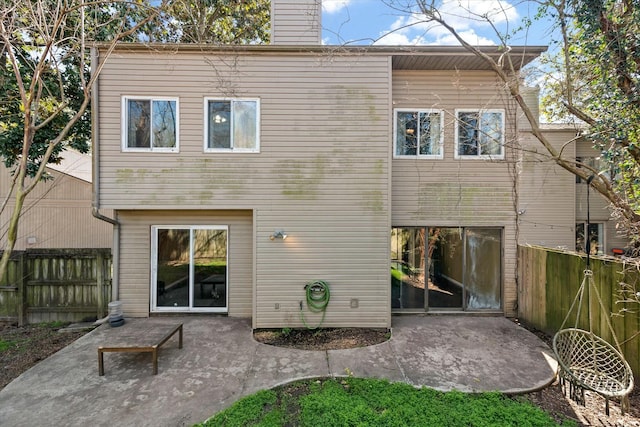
(371, 402)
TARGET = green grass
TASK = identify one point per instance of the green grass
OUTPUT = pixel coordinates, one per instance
(370, 402)
(6, 345)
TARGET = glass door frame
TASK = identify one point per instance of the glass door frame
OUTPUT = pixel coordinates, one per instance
(428, 266)
(153, 302)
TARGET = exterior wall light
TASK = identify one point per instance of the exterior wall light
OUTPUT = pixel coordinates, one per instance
(278, 234)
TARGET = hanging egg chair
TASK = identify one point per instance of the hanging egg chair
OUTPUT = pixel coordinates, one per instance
(586, 361)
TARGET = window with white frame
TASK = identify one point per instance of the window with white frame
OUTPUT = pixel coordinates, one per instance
(595, 233)
(480, 134)
(150, 124)
(232, 125)
(189, 268)
(418, 133)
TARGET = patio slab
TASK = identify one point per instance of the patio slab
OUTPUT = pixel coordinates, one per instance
(220, 362)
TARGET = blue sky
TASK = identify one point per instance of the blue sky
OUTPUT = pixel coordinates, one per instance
(371, 21)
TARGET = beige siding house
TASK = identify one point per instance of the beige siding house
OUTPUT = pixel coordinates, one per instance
(240, 174)
(57, 214)
(546, 193)
(553, 203)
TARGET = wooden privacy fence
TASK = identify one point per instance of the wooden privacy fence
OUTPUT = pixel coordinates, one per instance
(549, 281)
(45, 285)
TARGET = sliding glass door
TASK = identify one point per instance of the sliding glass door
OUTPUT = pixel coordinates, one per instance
(189, 268)
(450, 268)
(408, 268)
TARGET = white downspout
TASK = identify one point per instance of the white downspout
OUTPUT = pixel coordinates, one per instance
(95, 181)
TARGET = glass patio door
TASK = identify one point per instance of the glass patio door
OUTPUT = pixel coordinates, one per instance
(446, 268)
(408, 268)
(189, 268)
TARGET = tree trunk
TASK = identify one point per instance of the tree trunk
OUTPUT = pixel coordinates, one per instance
(12, 233)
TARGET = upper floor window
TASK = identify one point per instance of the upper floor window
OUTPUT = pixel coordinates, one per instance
(232, 125)
(418, 133)
(595, 234)
(150, 124)
(598, 166)
(480, 134)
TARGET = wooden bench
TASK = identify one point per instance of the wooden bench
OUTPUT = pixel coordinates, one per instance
(150, 339)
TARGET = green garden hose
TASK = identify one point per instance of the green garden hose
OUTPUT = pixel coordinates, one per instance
(318, 296)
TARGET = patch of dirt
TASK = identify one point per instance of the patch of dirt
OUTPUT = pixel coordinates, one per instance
(555, 402)
(323, 338)
(23, 347)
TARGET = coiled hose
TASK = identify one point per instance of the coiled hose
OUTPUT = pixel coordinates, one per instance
(317, 295)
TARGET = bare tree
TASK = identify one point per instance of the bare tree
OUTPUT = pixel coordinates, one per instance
(47, 80)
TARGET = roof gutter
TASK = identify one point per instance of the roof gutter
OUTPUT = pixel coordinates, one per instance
(95, 181)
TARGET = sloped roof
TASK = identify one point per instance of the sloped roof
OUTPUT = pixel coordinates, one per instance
(74, 164)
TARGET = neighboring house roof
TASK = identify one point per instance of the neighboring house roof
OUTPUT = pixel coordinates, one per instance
(74, 164)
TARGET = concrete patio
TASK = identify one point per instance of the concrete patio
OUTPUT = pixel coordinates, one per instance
(220, 362)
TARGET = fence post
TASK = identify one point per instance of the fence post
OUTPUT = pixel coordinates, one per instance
(22, 274)
(99, 260)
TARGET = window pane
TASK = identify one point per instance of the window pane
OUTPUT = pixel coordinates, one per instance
(580, 237)
(483, 268)
(596, 236)
(244, 124)
(491, 134)
(429, 133)
(219, 124)
(210, 268)
(446, 263)
(139, 124)
(408, 267)
(173, 268)
(406, 133)
(164, 124)
(468, 134)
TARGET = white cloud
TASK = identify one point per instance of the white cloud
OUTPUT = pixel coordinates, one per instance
(397, 39)
(469, 36)
(334, 6)
(471, 13)
(468, 17)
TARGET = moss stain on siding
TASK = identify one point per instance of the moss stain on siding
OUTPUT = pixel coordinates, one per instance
(354, 99)
(373, 201)
(205, 196)
(145, 176)
(123, 175)
(142, 173)
(462, 203)
(378, 167)
(301, 179)
(217, 178)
